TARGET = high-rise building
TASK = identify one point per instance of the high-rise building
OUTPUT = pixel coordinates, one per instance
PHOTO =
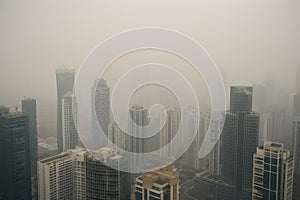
(296, 105)
(238, 143)
(116, 135)
(101, 104)
(298, 80)
(240, 134)
(55, 178)
(296, 145)
(296, 124)
(278, 123)
(272, 172)
(139, 116)
(162, 184)
(69, 132)
(29, 108)
(15, 181)
(239, 140)
(103, 182)
(77, 174)
(241, 98)
(64, 83)
(170, 129)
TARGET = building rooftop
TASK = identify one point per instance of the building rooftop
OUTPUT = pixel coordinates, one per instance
(160, 178)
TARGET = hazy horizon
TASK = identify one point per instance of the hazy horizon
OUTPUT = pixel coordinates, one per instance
(251, 42)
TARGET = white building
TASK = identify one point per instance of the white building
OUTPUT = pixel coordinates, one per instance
(69, 109)
(77, 175)
(162, 184)
(55, 180)
(272, 172)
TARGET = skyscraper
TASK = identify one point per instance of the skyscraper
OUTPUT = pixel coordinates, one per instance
(162, 184)
(139, 116)
(298, 80)
(103, 182)
(239, 140)
(170, 129)
(116, 135)
(296, 124)
(296, 145)
(64, 83)
(29, 108)
(241, 98)
(69, 132)
(238, 143)
(15, 181)
(101, 104)
(273, 172)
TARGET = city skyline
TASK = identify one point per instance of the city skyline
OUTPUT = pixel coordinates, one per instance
(150, 100)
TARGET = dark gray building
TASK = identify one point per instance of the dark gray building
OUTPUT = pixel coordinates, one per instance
(3, 110)
(239, 140)
(64, 83)
(15, 181)
(210, 187)
(104, 182)
(238, 143)
(241, 98)
(29, 108)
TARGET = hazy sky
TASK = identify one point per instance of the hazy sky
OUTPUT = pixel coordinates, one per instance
(249, 40)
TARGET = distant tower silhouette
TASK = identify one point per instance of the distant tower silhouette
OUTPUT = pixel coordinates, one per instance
(64, 82)
(69, 111)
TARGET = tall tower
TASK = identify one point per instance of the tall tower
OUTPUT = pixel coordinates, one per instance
(241, 98)
(116, 135)
(296, 125)
(64, 83)
(170, 129)
(239, 140)
(101, 104)
(139, 115)
(296, 147)
(273, 172)
(29, 108)
(15, 181)
(69, 132)
(298, 80)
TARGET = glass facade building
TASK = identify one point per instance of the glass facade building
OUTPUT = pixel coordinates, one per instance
(273, 173)
(64, 83)
(15, 182)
